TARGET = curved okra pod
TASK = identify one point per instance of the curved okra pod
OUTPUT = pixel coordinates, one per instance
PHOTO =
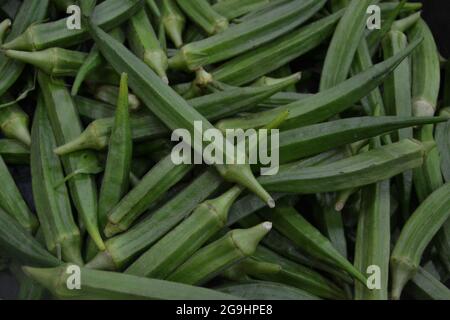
(221, 254)
(66, 126)
(122, 248)
(202, 13)
(102, 285)
(173, 21)
(360, 170)
(234, 40)
(182, 242)
(324, 105)
(14, 123)
(172, 109)
(345, 42)
(145, 44)
(53, 206)
(108, 14)
(118, 164)
(269, 57)
(416, 235)
(18, 243)
(29, 13)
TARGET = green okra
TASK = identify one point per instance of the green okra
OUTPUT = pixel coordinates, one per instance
(4, 27)
(443, 142)
(121, 249)
(173, 21)
(30, 12)
(153, 7)
(66, 126)
(328, 103)
(424, 286)
(153, 185)
(232, 9)
(404, 24)
(17, 242)
(28, 288)
(62, 5)
(263, 290)
(14, 152)
(415, 237)
(292, 225)
(62, 236)
(118, 164)
(145, 44)
(360, 170)
(269, 57)
(234, 40)
(108, 14)
(182, 242)
(14, 123)
(216, 257)
(102, 285)
(93, 109)
(345, 42)
(204, 15)
(110, 94)
(311, 140)
(12, 201)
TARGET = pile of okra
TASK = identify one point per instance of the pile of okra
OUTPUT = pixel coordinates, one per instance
(90, 92)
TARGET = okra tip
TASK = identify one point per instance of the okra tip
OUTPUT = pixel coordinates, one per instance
(45, 277)
(402, 272)
(22, 134)
(22, 42)
(247, 240)
(102, 261)
(423, 108)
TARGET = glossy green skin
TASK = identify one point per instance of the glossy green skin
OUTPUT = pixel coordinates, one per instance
(292, 225)
(108, 14)
(67, 126)
(261, 290)
(14, 123)
(30, 12)
(124, 247)
(18, 243)
(14, 152)
(52, 205)
(344, 44)
(202, 13)
(234, 40)
(269, 57)
(12, 201)
(416, 235)
(153, 185)
(101, 285)
(174, 21)
(118, 164)
(326, 104)
(232, 9)
(360, 170)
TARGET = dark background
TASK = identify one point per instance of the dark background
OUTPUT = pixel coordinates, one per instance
(435, 12)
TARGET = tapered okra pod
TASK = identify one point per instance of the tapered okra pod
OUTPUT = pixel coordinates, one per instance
(117, 170)
(232, 9)
(201, 12)
(122, 248)
(171, 109)
(66, 126)
(14, 123)
(234, 40)
(416, 235)
(101, 285)
(30, 12)
(177, 246)
(108, 14)
(4, 27)
(14, 152)
(256, 63)
(220, 255)
(173, 21)
(145, 44)
(53, 206)
(424, 286)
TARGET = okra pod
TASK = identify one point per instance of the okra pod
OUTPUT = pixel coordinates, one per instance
(53, 206)
(202, 13)
(416, 235)
(110, 95)
(14, 152)
(102, 285)
(209, 261)
(443, 142)
(4, 27)
(178, 245)
(66, 126)
(269, 57)
(424, 286)
(118, 164)
(170, 108)
(234, 40)
(14, 123)
(173, 21)
(108, 14)
(232, 9)
(122, 248)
